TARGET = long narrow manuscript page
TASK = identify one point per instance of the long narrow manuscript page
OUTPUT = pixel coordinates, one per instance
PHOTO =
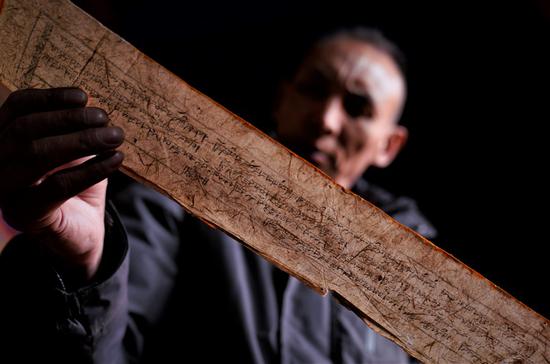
(229, 174)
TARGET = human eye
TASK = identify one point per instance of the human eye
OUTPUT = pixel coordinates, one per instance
(315, 87)
(358, 105)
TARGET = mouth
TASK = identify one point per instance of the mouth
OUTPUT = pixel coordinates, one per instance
(322, 160)
(319, 158)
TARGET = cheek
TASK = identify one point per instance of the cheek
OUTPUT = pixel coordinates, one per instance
(355, 137)
(293, 117)
(289, 125)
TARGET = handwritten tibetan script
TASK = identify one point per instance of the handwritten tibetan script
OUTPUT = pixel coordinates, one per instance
(229, 174)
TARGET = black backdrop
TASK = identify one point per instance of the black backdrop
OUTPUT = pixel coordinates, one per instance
(477, 110)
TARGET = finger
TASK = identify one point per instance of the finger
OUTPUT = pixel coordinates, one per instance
(30, 209)
(51, 123)
(29, 101)
(65, 184)
(45, 154)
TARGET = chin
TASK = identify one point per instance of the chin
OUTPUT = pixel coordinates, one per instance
(343, 182)
(327, 169)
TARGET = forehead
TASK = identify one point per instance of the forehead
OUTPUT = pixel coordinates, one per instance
(353, 65)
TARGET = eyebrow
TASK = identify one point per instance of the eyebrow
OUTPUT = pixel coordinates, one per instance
(320, 70)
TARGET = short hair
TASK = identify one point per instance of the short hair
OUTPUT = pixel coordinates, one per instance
(371, 36)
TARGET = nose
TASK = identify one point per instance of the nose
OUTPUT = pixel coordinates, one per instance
(332, 116)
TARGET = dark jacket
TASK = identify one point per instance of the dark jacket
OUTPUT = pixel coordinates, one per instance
(184, 291)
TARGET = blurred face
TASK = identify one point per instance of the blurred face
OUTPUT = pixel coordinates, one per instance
(340, 110)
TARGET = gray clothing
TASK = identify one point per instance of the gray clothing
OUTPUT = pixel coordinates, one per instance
(186, 291)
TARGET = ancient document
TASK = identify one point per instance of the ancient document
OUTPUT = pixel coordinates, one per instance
(223, 170)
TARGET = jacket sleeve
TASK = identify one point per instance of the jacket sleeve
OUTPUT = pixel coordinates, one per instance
(44, 320)
(153, 223)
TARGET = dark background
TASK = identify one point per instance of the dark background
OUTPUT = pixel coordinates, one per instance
(477, 111)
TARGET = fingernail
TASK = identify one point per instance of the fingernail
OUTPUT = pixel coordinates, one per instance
(96, 116)
(75, 96)
(111, 136)
(115, 157)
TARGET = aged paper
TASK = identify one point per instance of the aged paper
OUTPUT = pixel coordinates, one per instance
(229, 174)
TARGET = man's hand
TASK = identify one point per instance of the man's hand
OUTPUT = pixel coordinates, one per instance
(55, 154)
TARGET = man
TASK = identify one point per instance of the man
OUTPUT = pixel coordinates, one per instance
(341, 112)
(184, 290)
(342, 108)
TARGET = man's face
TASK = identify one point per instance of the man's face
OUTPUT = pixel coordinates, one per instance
(339, 111)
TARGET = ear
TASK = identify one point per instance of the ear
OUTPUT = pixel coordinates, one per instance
(395, 142)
